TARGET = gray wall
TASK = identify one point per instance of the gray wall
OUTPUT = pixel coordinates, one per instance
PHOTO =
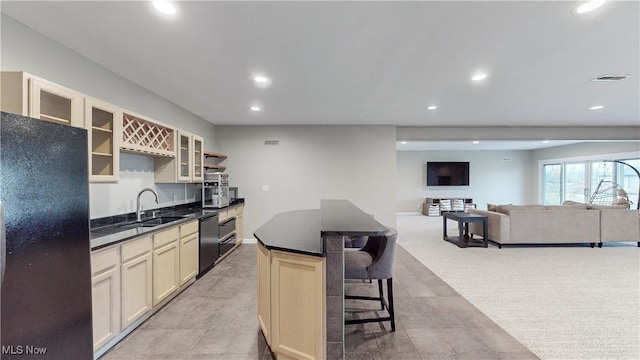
(357, 163)
(491, 179)
(23, 49)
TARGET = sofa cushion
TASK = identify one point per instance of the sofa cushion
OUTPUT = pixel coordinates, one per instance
(576, 206)
(607, 207)
(554, 226)
(505, 209)
(619, 225)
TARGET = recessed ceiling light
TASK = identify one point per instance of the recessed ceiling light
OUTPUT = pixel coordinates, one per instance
(545, 141)
(403, 142)
(432, 107)
(164, 7)
(261, 81)
(476, 142)
(479, 76)
(255, 108)
(597, 107)
(590, 6)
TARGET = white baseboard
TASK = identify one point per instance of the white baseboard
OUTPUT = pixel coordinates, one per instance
(409, 213)
(249, 241)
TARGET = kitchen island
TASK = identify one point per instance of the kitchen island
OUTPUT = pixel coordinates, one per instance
(301, 278)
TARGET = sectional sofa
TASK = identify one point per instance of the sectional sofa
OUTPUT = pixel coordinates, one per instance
(559, 224)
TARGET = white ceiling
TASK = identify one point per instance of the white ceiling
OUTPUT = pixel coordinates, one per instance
(365, 62)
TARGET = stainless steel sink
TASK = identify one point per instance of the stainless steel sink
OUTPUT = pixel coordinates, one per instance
(151, 222)
(160, 220)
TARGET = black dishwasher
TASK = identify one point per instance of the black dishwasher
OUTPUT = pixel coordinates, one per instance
(208, 242)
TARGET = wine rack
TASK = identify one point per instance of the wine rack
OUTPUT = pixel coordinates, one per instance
(147, 137)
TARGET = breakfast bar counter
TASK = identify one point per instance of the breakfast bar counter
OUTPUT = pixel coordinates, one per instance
(301, 278)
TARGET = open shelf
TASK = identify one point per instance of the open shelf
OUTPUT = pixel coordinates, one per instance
(210, 154)
(215, 167)
(214, 163)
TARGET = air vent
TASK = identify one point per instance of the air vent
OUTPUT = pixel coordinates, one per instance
(610, 78)
(271, 142)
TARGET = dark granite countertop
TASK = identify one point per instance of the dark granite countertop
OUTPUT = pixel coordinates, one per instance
(302, 231)
(108, 231)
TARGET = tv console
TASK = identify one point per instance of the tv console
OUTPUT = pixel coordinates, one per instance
(436, 206)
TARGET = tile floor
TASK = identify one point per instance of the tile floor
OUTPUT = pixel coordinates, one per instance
(215, 318)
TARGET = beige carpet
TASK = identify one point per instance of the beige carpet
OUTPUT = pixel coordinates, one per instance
(568, 302)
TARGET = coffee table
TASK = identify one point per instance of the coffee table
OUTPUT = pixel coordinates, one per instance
(463, 239)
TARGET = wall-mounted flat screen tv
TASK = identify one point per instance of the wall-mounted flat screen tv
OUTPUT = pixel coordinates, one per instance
(441, 173)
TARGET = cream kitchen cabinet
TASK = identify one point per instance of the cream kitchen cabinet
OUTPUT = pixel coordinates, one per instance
(187, 166)
(264, 291)
(197, 163)
(29, 95)
(105, 293)
(132, 280)
(166, 264)
(239, 224)
(26, 94)
(104, 127)
(188, 251)
(136, 279)
(291, 303)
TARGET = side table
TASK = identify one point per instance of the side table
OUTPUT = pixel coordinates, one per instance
(463, 239)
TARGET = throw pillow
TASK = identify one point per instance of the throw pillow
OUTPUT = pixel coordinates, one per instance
(492, 207)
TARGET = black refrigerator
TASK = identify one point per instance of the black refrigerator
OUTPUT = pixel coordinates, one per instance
(45, 297)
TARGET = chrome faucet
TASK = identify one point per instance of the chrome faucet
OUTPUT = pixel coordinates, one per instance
(138, 208)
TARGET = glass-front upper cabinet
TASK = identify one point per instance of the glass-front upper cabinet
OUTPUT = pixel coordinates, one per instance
(187, 166)
(104, 132)
(55, 103)
(198, 158)
(29, 95)
(184, 156)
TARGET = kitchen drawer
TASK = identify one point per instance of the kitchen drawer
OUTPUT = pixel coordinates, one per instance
(189, 228)
(165, 237)
(104, 259)
(239, 210)
(231, 212)
(137, 247)
(226, 228)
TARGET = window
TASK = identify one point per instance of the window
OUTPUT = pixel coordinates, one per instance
(552, 184)
(630, 180)
(578, 180)
(575, 186)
